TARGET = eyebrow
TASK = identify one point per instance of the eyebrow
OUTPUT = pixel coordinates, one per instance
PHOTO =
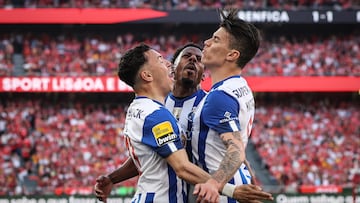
(191, 53)
(216, 37)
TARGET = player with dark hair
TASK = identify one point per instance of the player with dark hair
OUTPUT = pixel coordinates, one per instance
(223, 120)
(187, 56)
(187, 93)
(152, 134)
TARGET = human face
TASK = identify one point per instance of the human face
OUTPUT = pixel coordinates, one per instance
(160, 71)
(189, 69)
(216, 49)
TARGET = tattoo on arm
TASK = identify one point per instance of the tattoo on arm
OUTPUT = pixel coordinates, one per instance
(230, 162)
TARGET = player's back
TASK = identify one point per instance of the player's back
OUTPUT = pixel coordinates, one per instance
(152, 135)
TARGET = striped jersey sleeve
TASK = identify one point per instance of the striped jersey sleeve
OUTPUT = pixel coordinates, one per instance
(151, 135)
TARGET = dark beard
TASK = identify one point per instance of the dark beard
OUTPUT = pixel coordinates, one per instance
(187, 82)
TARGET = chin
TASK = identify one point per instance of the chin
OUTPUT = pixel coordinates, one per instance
(187, 81)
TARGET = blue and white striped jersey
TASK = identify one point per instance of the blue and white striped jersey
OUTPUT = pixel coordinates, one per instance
(228, 107)
(152, 134)
(183, 110)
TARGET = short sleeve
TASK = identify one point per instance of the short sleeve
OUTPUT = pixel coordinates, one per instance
(221, 112)
(161, 132)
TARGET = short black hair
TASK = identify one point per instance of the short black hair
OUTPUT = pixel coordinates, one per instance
(131, 63)
(179, 50)
(245, 36)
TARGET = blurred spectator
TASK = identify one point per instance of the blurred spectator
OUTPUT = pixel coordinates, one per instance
(6, 53)
(69, 55)
(46, 146)
(305, 141)
(313, 56)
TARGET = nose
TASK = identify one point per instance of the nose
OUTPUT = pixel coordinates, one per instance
(207, 42)
(168, 64)
(193, 58)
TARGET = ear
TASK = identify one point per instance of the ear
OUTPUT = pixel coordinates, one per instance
(203, 77)
(146, 76)
(233, 55)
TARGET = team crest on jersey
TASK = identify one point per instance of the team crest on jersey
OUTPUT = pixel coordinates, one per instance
(176, 112)
(228, 118)
(163, 133)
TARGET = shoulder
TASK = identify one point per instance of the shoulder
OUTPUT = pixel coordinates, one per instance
(235, 87)
(145, 107)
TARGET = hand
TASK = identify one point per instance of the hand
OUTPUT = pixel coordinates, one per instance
(206, 192)
(250, 194)
(103, 188)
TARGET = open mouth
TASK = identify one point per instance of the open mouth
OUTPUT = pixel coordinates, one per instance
(190, 67)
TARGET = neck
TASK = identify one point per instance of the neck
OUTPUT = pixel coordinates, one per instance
(151, 93)
(220, 73)
(181, 91)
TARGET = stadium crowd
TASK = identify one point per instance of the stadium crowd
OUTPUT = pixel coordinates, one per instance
(63, 55)
(304, 141)
(49, 145)
(49, 148)
(182, 4)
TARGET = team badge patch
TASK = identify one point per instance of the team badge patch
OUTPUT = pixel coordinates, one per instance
(163, 133)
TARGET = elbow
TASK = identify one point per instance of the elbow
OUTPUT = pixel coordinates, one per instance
(181, 175)
(181, 171)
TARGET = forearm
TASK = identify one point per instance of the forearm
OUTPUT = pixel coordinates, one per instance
(126, 171)
(234, 157)
(188, 171)
(193, 174)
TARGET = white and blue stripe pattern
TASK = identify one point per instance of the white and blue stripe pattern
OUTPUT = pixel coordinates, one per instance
(228, 107)
(152, 134)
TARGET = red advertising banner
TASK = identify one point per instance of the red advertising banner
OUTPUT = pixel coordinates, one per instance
(299, 84)
(76, 15)
(113, 84)
(63, 84)
(320, 189)
(115, 15)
